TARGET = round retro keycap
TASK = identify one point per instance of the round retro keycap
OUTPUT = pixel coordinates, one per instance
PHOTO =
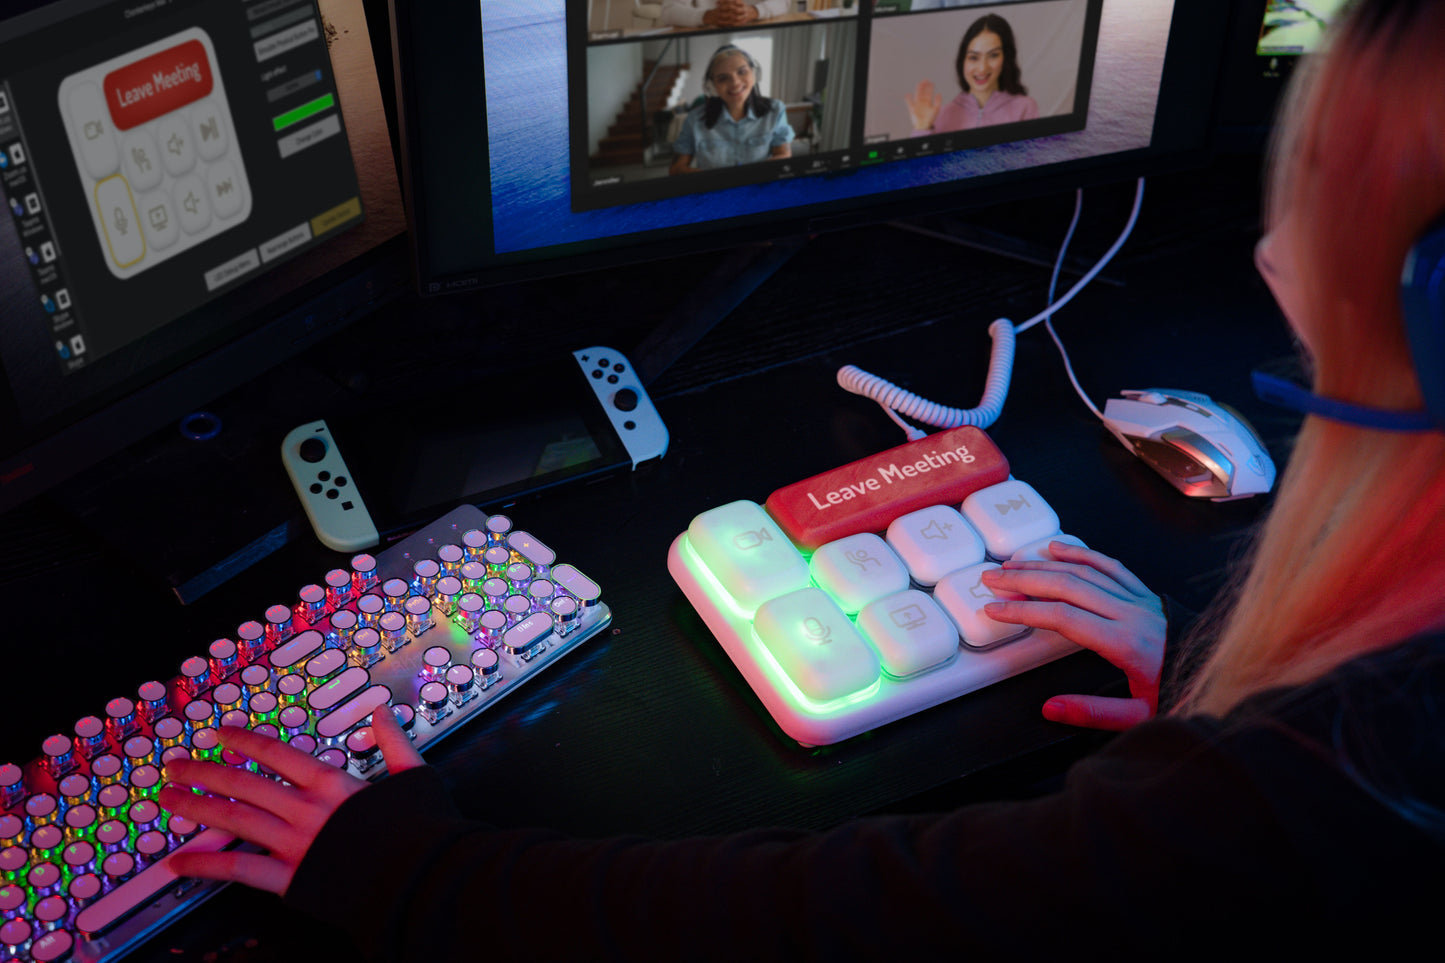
(110, 834)
(144, 814)
(486, 663)
(361, 744)
(170, 731)
(52, 947)
(180, 827)
(256, 678)
(333, 756)
(13, 859)
(433, 695)
(15, 933)
(153, 698)
(86, 886)
(79, 819)
(199, 712)
(46, 841)
(105, 769)
(112, 799)
(151, 843)
(51, 909)
(78, 855)
(405, 716)
(118, 865)
(41, 808)
(74, 789)
(12, 899)
(435, 661)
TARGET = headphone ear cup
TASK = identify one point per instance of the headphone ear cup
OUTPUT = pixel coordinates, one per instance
(1422, 301)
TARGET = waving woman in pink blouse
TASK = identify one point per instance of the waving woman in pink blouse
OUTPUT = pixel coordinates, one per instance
(988, 71)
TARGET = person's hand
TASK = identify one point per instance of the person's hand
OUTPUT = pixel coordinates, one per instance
(282, 817)
(731, 13)
(923, 105)
(1093, 601)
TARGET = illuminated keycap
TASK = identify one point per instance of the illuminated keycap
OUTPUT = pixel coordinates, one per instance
(1009, 515)
(816, 645)
(935, 541)
(747, 552)
(910, 633)
(963, 595)
(858, 569)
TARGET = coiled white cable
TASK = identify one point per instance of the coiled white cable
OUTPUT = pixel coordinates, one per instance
(896, 400)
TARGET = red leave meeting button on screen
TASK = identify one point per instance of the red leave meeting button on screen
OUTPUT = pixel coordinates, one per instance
(158, 84)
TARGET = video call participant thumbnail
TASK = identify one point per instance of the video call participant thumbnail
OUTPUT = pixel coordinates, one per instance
(990, 81)
(735, 124)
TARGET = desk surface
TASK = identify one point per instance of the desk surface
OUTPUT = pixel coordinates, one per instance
(650, 729)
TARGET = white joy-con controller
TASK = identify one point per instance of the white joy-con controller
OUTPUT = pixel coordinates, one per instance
(327, 489)
(625, 402)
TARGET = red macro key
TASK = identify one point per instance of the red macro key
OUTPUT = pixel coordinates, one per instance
(865, 495)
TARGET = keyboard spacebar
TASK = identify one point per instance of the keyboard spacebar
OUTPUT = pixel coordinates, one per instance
(145, 885)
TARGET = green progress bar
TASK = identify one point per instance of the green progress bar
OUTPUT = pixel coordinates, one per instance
(282, 121)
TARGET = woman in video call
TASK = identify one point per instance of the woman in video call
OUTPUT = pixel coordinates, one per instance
(735, 124)
(988, 72)
(1287, 800)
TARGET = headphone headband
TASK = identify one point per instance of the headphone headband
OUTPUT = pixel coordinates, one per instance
(1422, 300)
(1422, 303)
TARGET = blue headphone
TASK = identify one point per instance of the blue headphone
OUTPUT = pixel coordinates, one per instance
(1422, 300)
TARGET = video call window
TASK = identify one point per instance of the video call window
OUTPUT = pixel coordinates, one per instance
(685, 96)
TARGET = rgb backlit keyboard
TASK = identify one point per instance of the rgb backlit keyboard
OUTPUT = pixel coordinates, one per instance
(438, 627)
(853, 598)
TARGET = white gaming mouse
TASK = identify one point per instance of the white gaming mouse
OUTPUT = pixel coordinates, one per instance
(1202, 447)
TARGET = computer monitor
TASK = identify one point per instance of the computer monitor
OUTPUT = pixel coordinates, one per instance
(539, 136)
(1267, 40)
(194, 190)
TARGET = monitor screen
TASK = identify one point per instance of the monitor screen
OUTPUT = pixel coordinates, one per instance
(541, 135)
(182, 179)
(1267, 40)
(1290, 28)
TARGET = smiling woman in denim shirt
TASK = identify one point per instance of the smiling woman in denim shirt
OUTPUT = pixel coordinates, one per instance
(735, 124)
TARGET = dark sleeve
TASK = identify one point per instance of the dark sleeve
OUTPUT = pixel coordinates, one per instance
(1177, 827)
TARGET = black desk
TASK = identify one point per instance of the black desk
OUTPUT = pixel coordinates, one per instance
(650, 729)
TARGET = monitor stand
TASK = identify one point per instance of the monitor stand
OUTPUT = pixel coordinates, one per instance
(740, 273)
(746, 268)
(953, 231)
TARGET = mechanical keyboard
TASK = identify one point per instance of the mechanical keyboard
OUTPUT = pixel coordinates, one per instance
(438, 627)
(853, 598)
